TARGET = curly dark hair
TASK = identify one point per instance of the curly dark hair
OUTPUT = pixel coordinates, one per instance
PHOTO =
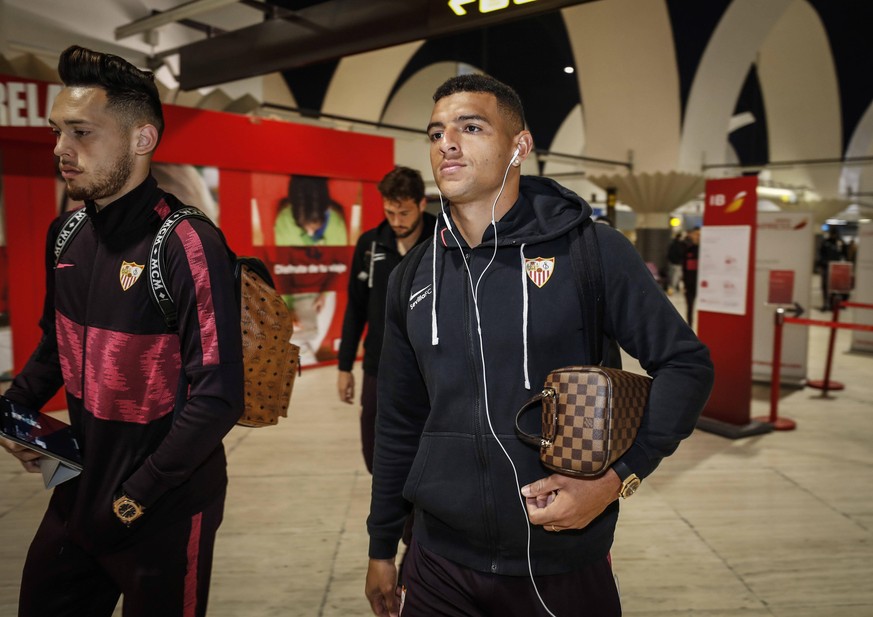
(130, 92)
(508, 100)
(402, 183)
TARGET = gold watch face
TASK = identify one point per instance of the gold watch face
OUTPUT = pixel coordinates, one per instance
(127, 510)
(630, 486)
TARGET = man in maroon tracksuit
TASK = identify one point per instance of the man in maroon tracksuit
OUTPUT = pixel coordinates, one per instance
(149, 406)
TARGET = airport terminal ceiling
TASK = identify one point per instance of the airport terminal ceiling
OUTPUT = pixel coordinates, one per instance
(666, 85)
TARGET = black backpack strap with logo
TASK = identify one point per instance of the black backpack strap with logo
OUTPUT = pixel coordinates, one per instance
(69, 231)
(158, 288)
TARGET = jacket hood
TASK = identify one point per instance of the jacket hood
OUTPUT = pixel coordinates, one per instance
(543, 211)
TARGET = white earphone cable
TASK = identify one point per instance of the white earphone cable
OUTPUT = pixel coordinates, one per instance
(475, 291)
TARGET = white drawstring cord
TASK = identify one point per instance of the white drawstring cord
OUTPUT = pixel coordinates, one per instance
(524, 316)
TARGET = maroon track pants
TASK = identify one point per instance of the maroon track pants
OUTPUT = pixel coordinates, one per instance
(166, 574)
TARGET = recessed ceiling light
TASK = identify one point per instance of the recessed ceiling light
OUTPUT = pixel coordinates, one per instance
(569, 70)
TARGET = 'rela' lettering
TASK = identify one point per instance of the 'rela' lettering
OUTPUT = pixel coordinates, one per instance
(20, 103)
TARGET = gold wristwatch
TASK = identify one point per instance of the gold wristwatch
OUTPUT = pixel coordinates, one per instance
(126, 509)
(630, 482)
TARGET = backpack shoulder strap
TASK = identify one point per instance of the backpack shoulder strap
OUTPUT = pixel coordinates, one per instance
(585, 256)
(158, 288)
(69, 231)
(405, 271)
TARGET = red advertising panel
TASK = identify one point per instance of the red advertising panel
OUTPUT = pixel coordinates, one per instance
(731, 207)
(780, 288)
(240, 170)
(840, 279)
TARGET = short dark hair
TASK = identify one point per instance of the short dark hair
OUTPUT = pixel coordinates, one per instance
(129, 91)
(402, 183)
(508, 100)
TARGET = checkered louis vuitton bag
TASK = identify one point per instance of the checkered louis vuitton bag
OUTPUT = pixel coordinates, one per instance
(591, 415)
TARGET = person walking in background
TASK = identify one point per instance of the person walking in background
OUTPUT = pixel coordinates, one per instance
(832, 248)
(494, 307)
(377, 253)
(675, 256)
(690, 259)
(149, 406)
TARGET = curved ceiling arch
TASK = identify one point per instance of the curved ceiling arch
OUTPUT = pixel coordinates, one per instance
(529, 55)
(857, 178)
(355, 76)
(720, 77)
(411, 106)
(803, 107)
(629, 81)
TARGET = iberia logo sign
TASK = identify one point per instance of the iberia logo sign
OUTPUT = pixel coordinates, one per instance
(720, 200)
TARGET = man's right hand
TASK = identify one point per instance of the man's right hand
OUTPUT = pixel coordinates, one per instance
(345, 385)
(381, 587)
(29, 458)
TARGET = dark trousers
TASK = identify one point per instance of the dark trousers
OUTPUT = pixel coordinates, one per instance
(368, 418)
(368, 434)
(436, 587)
(166, 574)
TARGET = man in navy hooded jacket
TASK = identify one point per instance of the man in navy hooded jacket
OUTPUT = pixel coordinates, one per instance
(481, 335)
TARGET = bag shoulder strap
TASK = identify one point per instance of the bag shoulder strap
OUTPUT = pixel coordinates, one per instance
(585, 256)
(158, 288)
(69, 231)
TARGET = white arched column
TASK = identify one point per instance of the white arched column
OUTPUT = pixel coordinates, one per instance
(362, 83)
(629, 83)
(803, 106)
(859, 178)
(720, 75)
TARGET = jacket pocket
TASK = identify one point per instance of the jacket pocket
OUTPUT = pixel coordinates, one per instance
(446, 482)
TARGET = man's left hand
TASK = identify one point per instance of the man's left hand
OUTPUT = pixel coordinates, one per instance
(560, 502)
(28, 458)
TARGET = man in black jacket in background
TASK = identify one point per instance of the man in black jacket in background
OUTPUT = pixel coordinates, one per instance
(377, 253)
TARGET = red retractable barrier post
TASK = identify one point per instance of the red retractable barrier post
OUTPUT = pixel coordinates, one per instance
(826, 384)
(779, 424)
(785, 424)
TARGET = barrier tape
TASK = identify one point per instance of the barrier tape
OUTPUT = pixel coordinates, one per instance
(829, 324)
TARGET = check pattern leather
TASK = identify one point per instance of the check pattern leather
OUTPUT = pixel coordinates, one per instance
(591, 419)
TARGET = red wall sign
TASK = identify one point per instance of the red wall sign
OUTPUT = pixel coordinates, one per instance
(253, 162)
(734, 202)
(780, 287)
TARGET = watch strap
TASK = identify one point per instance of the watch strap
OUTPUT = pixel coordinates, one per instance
(622, 470)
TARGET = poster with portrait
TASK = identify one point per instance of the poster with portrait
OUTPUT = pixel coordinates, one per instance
(304, 228)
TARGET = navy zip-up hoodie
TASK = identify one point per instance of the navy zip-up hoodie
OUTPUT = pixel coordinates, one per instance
(149, 406)
(439, 408)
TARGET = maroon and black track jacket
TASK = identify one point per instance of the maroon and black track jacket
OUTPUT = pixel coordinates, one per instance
(149, 406)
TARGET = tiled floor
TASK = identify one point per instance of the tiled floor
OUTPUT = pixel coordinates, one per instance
(779, 524)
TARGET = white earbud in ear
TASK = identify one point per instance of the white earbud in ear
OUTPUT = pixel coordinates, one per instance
(514, 161)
